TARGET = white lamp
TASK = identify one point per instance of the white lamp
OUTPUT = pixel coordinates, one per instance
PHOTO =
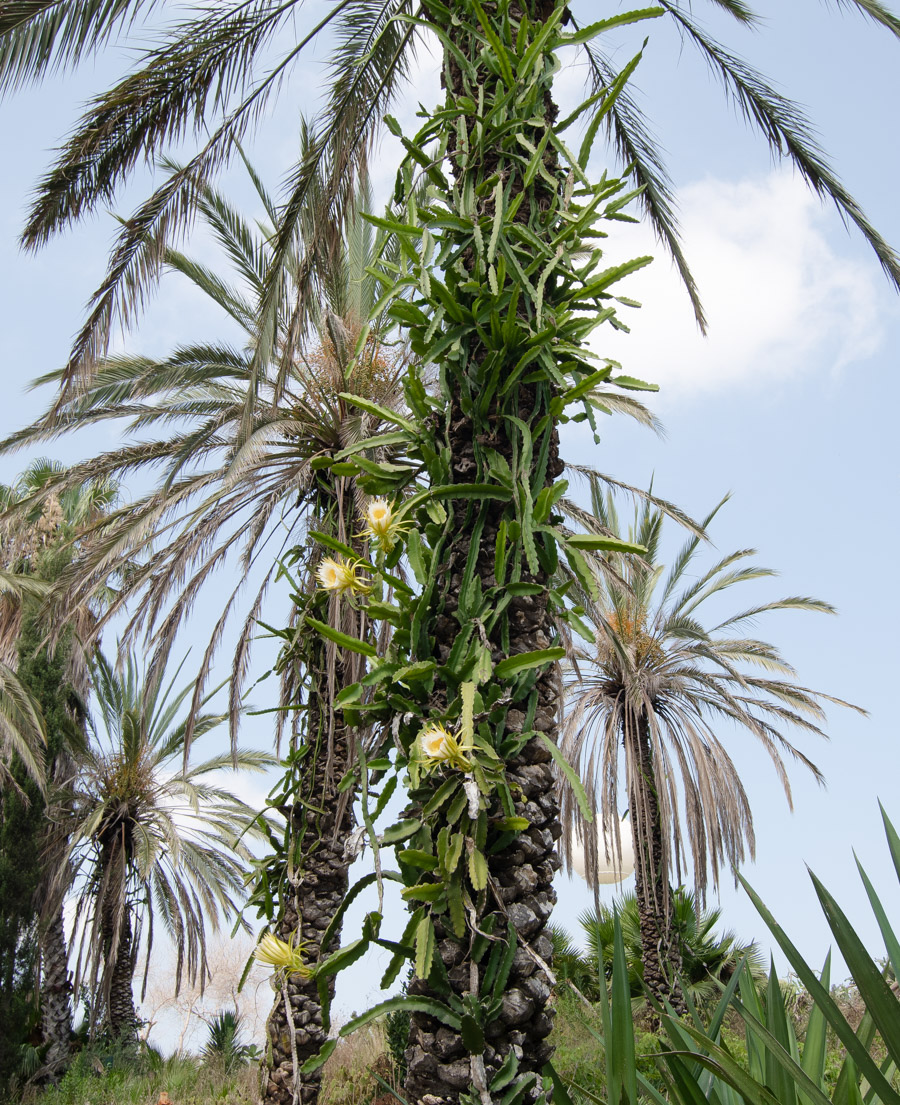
(609, 869)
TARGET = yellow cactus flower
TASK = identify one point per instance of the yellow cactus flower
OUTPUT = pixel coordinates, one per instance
(284, 958)
(435, 742)
(436, 745)
(382, 524)
(340, 576)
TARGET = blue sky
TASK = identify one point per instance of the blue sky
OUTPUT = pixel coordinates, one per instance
(789, 403)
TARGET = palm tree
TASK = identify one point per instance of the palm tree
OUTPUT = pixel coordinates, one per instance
(653, 703)
(708, 958)
(145, 838)
(45, 535)
(210, 75)
(226, 488)
(219, 497)
(212, 59)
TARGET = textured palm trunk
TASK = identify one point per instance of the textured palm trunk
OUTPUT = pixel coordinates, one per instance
(121, 1016)
(520, 885)
(322, 819)
(56, 989)
(116, 1014)
(659, 944)
(520, 890)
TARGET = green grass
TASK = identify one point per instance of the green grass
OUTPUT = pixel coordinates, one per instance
(97, 1078)
(105, 1077)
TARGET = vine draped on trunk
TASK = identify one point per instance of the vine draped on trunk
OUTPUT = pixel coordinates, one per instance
(502, 265)
(315, 884)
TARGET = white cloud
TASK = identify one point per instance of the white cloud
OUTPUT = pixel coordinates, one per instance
(779, 299)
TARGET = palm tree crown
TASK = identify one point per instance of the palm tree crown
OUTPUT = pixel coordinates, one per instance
(232, 443)
(210, 75)
(143, 840)
(657, 675)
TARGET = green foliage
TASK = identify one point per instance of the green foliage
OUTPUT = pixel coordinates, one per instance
(498, 281)
(397, 1027)
(43, 674)
(109, 1076)
(709, 959)
(779, 1059)
(224, 1047)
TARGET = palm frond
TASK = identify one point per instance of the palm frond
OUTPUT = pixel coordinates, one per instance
(785, 128)
(38, 37)
(638, 149)
(879, 13)
(213, 57)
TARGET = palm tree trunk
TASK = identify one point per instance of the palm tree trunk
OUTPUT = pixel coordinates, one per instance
(121, 1016)
(521, 876)
(519, 893)
(321, 821)
(115, 1003)
(56, 1008)
(659, 943)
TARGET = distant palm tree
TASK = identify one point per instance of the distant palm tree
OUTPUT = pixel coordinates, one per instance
(39, 536)
(707, 957)
(654, 702)
(145, 841)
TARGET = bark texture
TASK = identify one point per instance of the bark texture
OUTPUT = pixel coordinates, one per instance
(56, 990)
(520, 888)
(659, 943)
(321, 823)
(121, 1017)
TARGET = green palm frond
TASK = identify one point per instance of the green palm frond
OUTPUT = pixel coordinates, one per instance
(144, 837)
(22, 732)
(369, 64)
(741, 11)
(629, 134)
(785, 128)
(40, 36)
(876, 11)
(210, 77)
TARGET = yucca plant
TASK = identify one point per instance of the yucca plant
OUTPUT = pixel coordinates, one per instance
(224, 1047)
(697, 1065)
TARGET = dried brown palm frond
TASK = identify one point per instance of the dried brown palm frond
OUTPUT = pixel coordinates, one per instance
(657, 673)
